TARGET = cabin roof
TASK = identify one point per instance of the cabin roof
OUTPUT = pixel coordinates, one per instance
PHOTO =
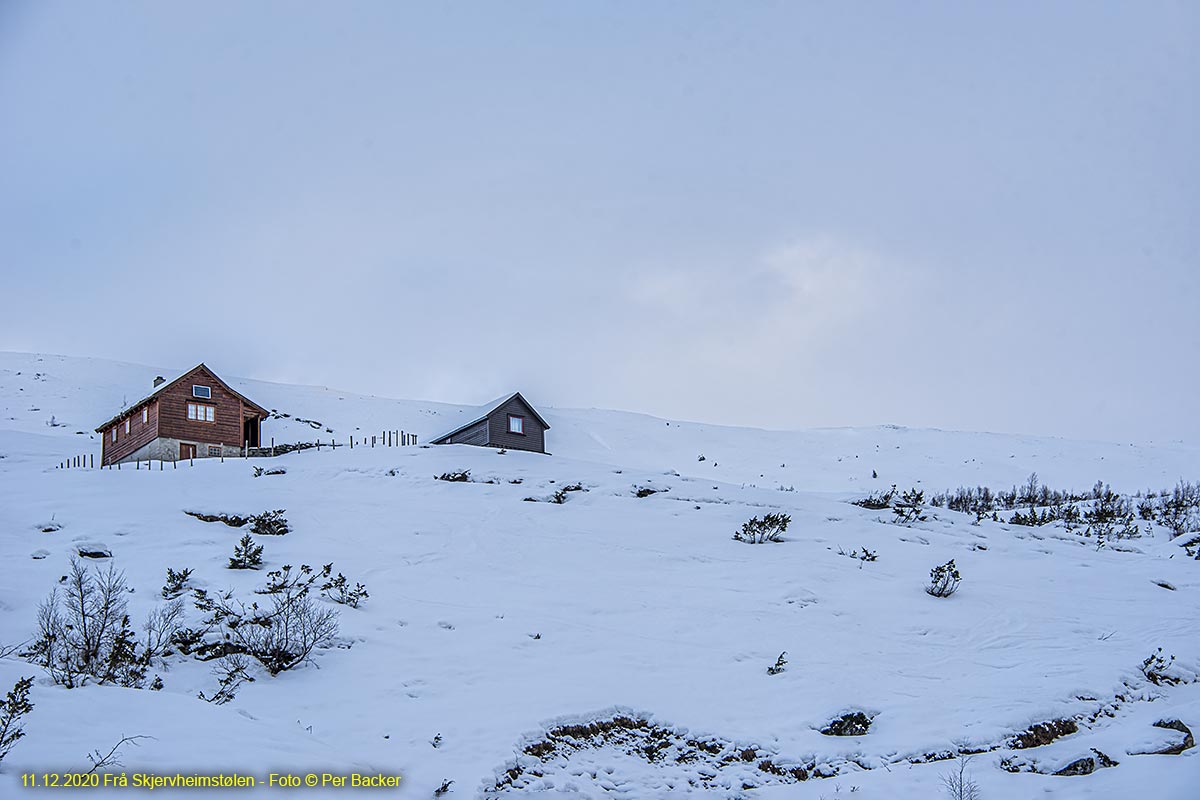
(167, 384)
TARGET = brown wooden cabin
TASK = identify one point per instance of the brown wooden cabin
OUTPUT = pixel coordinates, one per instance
(509, 422)
(197, 415)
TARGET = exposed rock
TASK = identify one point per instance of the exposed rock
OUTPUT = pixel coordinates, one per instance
(1188, 742)
(1088, 764)
(232, 520)
(39, 554)
(856, 723)
(1044, 733)
(92, 550)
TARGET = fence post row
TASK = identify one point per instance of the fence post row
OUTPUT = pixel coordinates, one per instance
(392, 438)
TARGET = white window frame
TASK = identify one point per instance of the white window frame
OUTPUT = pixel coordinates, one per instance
(200, 412)
(127, 426)
(145, 415)
(197, 389)
(114, 433)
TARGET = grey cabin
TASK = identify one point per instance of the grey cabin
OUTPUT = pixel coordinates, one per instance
(509, 423)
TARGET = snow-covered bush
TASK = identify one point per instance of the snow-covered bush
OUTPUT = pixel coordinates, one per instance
(161, 627)
(13, 708)
(232, 671)
(944, 580)
(560, 496)
(84, 632)
(281, 636)
(779, 666)
(853, 723)
(270, 523)
(456, 476)
(1155, 669)
(246, 554)
(768, 529)
(910, 507)
(1111, 516)
(863, 555)
(877, 501)
(1179, 510)
(285, 636)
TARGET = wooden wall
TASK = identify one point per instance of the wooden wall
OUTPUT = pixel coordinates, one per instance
(173, 421)
(534, 437)
(140, 434)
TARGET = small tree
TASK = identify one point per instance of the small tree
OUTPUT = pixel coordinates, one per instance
(768, 529)
(84, 632)
(176, 583)
(1111, 516)
(779, 666)
(958, 785)
(1179, 509)
(943, 580)
(246, 554)
(13, 708)
(338, 590)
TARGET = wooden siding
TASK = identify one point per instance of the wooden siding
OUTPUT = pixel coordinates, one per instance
(173, 422)
(534, 437)
(476, 434)
(140, 434)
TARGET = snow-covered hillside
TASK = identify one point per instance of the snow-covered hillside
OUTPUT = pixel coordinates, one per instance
(493, 622)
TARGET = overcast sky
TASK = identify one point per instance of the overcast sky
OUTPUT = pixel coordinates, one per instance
(957, 215)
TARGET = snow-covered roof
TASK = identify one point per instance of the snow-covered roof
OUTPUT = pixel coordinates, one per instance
(131, 408)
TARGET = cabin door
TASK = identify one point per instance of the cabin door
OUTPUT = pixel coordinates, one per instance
(186, 451)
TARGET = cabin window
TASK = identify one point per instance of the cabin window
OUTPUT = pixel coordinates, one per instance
(202, 391)
(201, 412)
(127, 426)
(114, 433)
(516, 424)
(145, 415)
(214, 450)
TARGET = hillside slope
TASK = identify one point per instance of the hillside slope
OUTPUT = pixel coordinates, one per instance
(493, 620)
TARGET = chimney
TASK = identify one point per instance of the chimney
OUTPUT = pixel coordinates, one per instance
(159, 381)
